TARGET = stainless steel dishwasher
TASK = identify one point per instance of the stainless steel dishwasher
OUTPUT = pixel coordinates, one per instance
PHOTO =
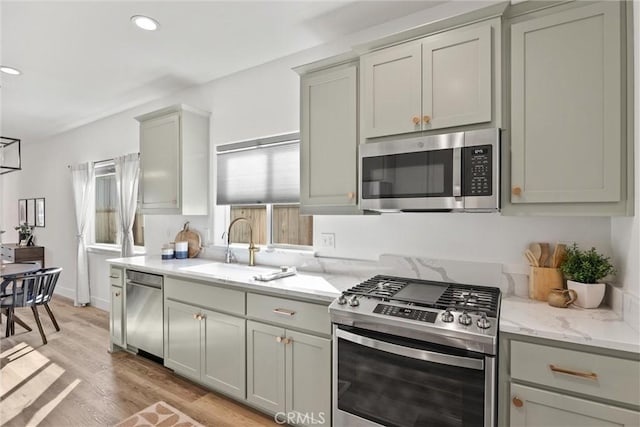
(144, 312)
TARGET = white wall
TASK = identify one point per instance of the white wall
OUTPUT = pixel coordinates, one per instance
(625, 232)
(254, 103)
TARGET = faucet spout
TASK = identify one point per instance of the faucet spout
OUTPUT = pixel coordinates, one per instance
(252, 248)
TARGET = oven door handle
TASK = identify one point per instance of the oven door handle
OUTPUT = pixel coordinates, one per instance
(414, 353)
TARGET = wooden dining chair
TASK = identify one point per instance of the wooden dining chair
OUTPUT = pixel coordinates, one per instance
(29, 290)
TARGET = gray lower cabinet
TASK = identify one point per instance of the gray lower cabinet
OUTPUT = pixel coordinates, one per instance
(551, 383)
(116, 319)
(545, 408)
(116, 329)
(206, 346)
(568, 138)
(289, 372)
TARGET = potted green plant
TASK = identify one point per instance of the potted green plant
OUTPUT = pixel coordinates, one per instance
(584, 270)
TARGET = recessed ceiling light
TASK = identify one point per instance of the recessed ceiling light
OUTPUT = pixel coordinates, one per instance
(145, 22)
(10, 70)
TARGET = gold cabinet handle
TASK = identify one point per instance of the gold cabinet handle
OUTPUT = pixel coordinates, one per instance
(279, 339)
(587, 375)
(415, 120)
(114, 277)
(287, 340)
(427, 119)
(351, 195)
(516, 191)
(284, 312)
(517, 402)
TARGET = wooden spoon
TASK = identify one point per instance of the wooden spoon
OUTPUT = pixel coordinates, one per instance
(544, 256)
(536, 250)
(533, 261)
(559, 254)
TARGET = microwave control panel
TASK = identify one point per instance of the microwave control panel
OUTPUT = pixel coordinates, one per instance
(477, 170)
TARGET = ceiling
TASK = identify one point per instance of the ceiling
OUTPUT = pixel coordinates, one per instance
(84, 60)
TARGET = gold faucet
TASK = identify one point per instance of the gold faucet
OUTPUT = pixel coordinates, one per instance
(252, 247)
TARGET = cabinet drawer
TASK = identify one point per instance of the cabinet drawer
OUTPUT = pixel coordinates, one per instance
(115, 276)
(591, 374)
(205, 295)
(297, 314)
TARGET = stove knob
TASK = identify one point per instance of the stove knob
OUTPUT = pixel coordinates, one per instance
(483, 322)
(342, 300)
(353, 301)
(447, 316)
(464, 319)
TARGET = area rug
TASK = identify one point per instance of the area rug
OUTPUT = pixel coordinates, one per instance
(160, 414)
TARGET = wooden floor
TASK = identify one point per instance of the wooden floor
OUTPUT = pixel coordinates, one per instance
(75, 381)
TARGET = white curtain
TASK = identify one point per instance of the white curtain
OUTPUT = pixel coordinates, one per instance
(127, 173)
(83, 177)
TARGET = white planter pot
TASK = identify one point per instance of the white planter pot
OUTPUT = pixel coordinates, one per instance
(590, 295)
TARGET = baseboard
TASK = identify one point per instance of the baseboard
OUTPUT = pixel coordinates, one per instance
(65, 292)
(101, 303)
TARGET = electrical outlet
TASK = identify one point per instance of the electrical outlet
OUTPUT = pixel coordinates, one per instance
(328, 240)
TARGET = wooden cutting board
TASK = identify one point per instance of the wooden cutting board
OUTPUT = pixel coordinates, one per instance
(193, 239)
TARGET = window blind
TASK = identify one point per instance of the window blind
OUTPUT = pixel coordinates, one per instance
(259, 171)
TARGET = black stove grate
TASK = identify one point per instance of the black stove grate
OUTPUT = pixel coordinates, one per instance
(457, 296)
(470, 298)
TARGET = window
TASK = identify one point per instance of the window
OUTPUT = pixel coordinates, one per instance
(107, 221)
(260, 181)
(272, 224)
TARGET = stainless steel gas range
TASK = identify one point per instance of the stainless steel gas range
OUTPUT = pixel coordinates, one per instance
(411, 352)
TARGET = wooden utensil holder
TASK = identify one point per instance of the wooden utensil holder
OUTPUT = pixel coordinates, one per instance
(542, 280)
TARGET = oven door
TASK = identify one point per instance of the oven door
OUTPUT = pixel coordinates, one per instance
(416, 174)
(392, 381)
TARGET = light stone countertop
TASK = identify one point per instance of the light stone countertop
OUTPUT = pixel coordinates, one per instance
(599, 327)
(310, 286)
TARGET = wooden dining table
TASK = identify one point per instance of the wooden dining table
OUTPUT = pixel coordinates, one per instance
(11, 269)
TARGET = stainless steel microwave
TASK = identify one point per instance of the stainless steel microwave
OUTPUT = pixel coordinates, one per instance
(450, 172)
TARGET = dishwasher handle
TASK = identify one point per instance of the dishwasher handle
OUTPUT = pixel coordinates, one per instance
(147, 285)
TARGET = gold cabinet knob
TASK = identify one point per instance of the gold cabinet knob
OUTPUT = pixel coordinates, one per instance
(288, 340)
(426, 119)
(279, 339)
(415, 120)
(195, 316)
(117, 294)
(517, 402)
(351, 195)
(516, 191)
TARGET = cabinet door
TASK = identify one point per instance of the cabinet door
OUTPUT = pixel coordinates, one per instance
(115, 317)
(182, 338)
(545, 408)
(223, 353)
(308, 374)
(265, 366)
(566, 106)
(456, 78)
(160, 163)
(391, 90)
(329, 140)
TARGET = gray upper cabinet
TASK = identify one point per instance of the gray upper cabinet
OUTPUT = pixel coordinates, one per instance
(174, 161)
(440, 81)
(456, 80)
(391, 90)
(329, 140)
(568, 141)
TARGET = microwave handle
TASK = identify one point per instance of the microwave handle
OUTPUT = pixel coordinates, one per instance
(457, 172)
(413, 353)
